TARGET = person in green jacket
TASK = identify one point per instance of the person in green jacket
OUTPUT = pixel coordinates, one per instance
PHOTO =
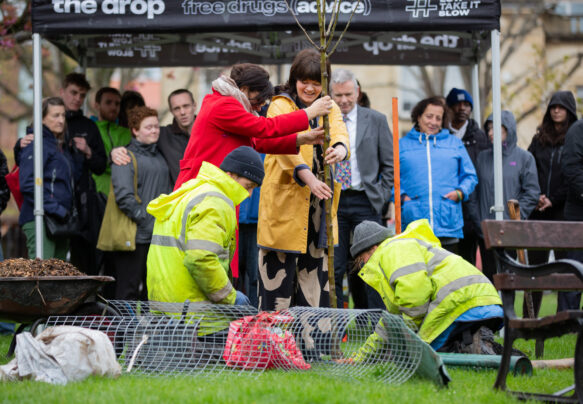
(445, 297)
(107, 104)
(194, 232)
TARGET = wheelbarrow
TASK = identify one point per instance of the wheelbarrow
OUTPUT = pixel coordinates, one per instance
(31, 299)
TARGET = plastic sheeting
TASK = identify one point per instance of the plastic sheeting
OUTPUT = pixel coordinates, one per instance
(60, 355)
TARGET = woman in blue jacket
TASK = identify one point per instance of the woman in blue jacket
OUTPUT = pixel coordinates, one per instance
(437, 174)
(59, 166)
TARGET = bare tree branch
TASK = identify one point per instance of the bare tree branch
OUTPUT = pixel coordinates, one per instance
(343, 32)
(300, 25)
(12, 94)
(333, 18)
(424, 77)
(526, 113)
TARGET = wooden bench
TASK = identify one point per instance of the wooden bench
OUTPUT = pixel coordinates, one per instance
(564, 275)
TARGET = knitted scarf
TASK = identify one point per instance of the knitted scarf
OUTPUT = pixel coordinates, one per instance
(227, 86)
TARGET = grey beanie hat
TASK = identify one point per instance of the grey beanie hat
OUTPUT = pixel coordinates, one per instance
(246, 162)
(367, 234)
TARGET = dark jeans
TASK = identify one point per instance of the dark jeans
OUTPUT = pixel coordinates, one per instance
(467, 247)
(353, 209)
(84, 255)
(248, 255)
(130, 273)
(570, 300)
(489, 260)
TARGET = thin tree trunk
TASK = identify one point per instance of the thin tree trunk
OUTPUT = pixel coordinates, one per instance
(327, 172)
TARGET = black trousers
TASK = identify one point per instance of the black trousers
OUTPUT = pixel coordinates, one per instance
(570, 300)
(353, 209)
(467, 247)
(84, 255)
(130, 273)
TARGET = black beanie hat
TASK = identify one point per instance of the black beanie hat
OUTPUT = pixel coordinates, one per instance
(246, 162)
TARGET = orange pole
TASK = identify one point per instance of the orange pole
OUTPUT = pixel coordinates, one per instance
(396, 166)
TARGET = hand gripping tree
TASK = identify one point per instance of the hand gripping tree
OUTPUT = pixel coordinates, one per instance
(326, 48)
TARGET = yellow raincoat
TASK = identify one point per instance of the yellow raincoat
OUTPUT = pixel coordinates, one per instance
(284, 205)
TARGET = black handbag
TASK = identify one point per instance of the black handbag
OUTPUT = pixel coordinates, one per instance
(57, 227)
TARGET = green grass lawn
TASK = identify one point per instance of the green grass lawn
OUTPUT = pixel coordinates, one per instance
(276, 387)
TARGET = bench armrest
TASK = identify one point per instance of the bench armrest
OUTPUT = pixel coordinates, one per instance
(506, 264)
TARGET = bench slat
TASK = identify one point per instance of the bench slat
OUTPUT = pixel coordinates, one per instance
(551, 282)
(533, 234)
(561, 317)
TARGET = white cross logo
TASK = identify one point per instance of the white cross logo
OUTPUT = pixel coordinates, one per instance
(423, 6)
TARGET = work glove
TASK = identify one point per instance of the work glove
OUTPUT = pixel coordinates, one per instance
(241, 299)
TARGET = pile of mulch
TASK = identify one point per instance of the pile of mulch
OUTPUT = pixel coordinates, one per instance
(23, 268)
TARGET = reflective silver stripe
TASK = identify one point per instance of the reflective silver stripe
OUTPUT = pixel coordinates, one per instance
(423, 243)
(169, 241)
(195, 201)
(166, 241)
(455, 285)
(417, 311)
(207, 246)
(221, 294)
(381, 330)
(384, 274)
(406, 270)
(439, 254)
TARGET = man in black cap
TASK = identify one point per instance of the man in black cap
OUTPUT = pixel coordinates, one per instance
(475, 140)
(194, 233)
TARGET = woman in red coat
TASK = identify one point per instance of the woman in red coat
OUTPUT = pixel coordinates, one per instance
(228, 119)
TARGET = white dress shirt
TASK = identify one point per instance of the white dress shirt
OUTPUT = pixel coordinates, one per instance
(350, 120)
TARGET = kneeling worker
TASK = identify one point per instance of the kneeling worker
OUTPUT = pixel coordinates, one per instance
(447, 298)
(194, 233)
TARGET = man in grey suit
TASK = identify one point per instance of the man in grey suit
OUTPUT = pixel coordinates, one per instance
(366, 178)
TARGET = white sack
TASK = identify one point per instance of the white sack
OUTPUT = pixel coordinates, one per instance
(62, 354)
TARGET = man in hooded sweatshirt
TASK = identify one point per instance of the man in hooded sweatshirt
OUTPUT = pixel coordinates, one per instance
(194, 234)
(520, 181)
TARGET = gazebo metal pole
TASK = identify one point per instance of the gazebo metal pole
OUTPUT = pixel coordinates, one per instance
(497, 122)
(477, 111)
(38, 145)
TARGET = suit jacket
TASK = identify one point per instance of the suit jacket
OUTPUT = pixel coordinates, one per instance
(374, 154)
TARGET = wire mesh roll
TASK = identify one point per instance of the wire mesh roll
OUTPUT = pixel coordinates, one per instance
(154, 338)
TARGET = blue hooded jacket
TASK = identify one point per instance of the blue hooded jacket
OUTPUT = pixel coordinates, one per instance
(59, 168)
(431, 167)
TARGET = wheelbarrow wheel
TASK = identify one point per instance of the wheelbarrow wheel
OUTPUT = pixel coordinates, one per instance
(95, 309)
(38, 326)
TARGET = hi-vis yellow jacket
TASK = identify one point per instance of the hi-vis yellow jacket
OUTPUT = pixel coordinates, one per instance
(425, 283)
(194, 239)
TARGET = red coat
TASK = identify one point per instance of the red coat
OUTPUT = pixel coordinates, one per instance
(223, 124)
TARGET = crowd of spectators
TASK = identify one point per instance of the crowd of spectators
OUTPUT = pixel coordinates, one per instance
(446, 176)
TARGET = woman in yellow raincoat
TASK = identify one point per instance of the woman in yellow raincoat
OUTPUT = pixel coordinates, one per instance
(291, 233)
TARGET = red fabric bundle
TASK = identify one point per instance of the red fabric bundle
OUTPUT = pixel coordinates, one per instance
(256, 342)
(13, 183)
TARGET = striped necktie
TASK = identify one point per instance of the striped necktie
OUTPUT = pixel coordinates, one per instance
(343, 172)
